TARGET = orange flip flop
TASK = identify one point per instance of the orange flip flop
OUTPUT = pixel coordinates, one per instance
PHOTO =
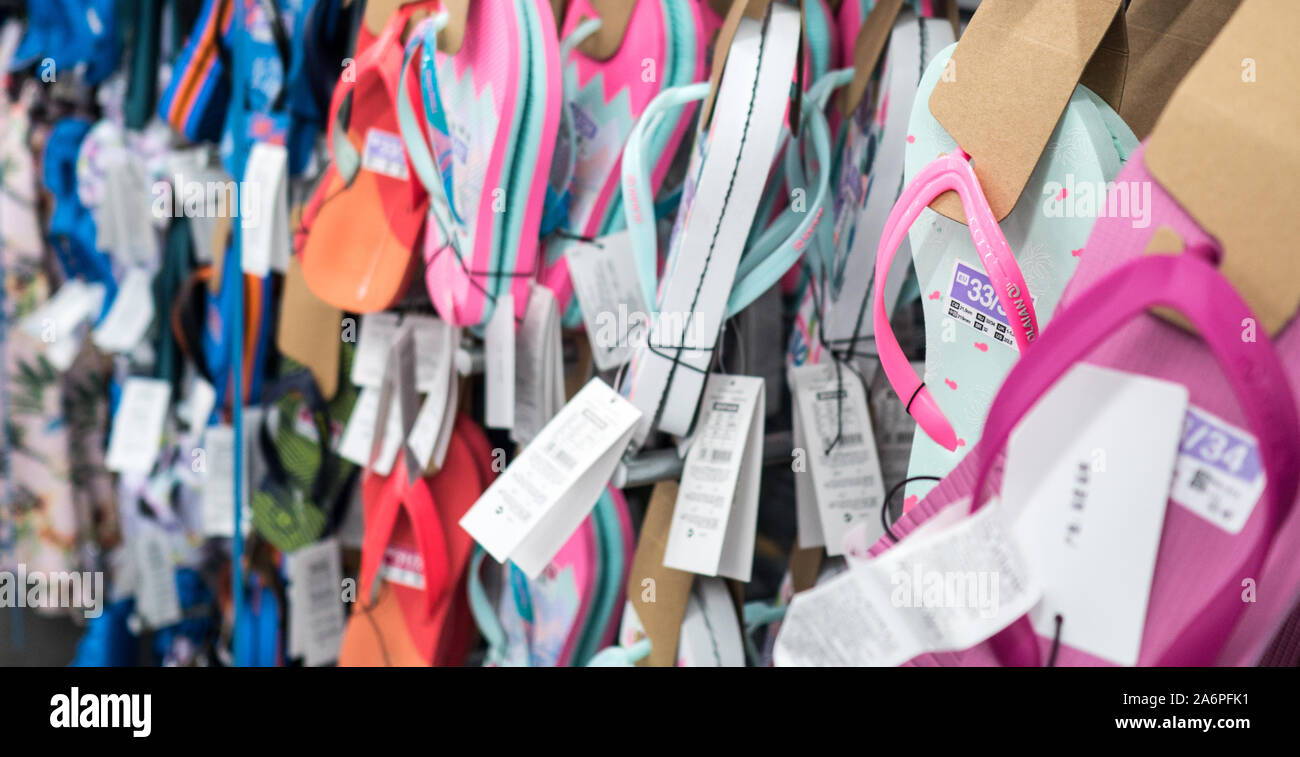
(366, 216)
(398, 622)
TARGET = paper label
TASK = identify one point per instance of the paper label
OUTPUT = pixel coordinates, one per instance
(431, 433)
(156, 599)
(712, 531)
(841, 451)
(948, 591)
(58, 321)
(138, 425)
(972, 300)
(385, 153)
(1219, 475)
(129, 318)
(808, 519)
(499, 365)
(358, 436)
(219, 477)
(607, 287)
(539, 364)
(894, 428)
(202, 398)
(378, 330)
(315, 602)
(435, 347)
(537, 503)
(403, 566)
(1088, 473)
(266, 236)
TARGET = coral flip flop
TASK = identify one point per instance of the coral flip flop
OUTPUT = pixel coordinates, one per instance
(365, 219)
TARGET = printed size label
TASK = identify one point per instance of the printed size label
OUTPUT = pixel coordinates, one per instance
(843, 463)
(532, 509)
(385, 154)
(1219, 475)
(712, 531)
(403, 566)
(886, 611)
(973, 301)
(315, 612)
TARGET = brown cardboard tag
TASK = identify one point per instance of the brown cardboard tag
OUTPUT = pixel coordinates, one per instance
(755, 9)
(1166, 241)
(450, 38)
(614, 17)
(1010, 79)
(867, 49)
(308, 330)
(1225, 148)
(1165, 39)
(659, 594)
(805, 566)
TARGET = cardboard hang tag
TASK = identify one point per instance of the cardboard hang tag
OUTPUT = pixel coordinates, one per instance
(869, 47)
(731, 13)
(450, 38)
(1165, 39)
(659, 594)
(1224, 147)
(1010, 80)
(614, 17)
(308, 330)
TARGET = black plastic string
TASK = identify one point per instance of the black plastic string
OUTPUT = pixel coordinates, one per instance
(1056, 641)
(884, 508)
(365, 609)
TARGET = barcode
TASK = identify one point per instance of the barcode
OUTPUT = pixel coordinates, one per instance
(563, 458)
(720, 456)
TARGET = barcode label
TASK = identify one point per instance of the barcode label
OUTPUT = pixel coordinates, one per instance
(561, 457)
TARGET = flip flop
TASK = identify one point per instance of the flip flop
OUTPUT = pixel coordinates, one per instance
(365, 265)
(476, 103)
(1090, 145)
(604, 99)
(194, 101)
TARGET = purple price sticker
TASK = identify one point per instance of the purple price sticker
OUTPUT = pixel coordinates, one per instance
(971, 287)
(1220, 446)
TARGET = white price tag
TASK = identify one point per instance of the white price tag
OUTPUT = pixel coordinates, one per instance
(499, 365)
(266, 237)
(613, 308)
(58, 321)
(156, 599)
(539, 366)
(138, 425)
(945, 591)
(840, 450)
(129, 318)
(714, 521)
(1088, 473)
(219, 477)
(315, 602)
(528, 513)
(378, 330)
(359, 434)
